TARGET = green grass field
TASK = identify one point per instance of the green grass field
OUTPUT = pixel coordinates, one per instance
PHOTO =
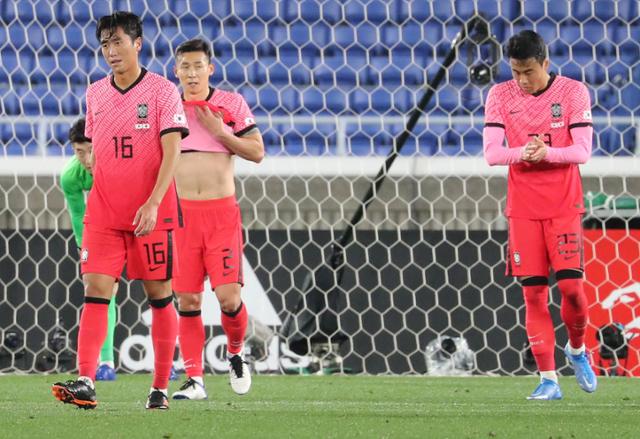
(329, 406)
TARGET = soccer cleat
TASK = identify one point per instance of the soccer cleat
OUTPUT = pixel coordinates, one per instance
(157, 400)
(76, 392)
(174, 375)
(190, 389)
(239, 375)
(105, 373)
(585, 376)
(547, 390)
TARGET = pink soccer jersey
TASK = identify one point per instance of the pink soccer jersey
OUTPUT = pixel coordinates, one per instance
(541, 190)
(125, 127)
(240, 121)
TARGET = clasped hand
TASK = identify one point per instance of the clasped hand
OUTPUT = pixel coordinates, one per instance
(534, 151)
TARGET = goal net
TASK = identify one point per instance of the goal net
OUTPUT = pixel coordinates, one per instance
(332, 84)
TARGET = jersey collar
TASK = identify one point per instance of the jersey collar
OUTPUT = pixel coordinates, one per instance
(552, 77)
(143, 71)
(211, 90)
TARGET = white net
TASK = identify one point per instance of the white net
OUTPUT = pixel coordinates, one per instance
(332, 84)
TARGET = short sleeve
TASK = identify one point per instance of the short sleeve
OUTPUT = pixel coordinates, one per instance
(88, 127)
(243, 117)
(492, 114)
(171, 117)
(580, 108)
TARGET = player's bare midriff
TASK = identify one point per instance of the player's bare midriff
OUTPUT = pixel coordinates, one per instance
(205, 176)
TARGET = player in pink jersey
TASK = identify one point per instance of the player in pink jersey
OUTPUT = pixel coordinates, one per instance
(222, 126)
(546, 119)
(135, 120)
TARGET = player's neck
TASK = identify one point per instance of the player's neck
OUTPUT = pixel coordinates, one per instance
(125, 79)
(198, 96)
(545, 83)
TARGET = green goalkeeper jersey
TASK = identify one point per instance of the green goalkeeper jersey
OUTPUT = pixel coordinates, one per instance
(75, 180)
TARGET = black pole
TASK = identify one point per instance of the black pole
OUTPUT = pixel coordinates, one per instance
(336, 258)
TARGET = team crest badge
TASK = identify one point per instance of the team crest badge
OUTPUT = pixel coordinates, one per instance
(143, 111)
(556, 110)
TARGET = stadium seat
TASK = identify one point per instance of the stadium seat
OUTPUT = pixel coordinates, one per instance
(330, 11)
(581, 9)
(557, 11)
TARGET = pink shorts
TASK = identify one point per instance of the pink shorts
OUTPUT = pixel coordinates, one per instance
(536, 245)
(149, 257)
(210, 243)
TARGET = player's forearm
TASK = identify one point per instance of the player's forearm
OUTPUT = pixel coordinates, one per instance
(171, 153)
(578, 153)
(494, 151)
(249, 147)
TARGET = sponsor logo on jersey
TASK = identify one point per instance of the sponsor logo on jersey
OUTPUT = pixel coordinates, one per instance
(586, 115)
(180, 118)
(143, 111)
(556, 110)
(142, 126)
(557, 124)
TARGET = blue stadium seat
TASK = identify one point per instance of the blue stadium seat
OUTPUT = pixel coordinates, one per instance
(604, 10)
(359, 101)
(344, 35)
(7, 11)
(628, 9)
(11, 102)
(376, 11)
(535, 9)
(330, 11)
(511, 9)
(433, 32)
(581, 9)
(557, 10)
(17, 34)
(234, 72)
(336, 100)
(189, 28)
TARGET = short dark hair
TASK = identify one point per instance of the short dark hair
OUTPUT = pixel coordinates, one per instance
(76, 132)
(195, 45)
(128, 21)
(526, 44)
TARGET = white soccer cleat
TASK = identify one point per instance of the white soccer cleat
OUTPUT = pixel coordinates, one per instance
(192, 390)
(239, 375)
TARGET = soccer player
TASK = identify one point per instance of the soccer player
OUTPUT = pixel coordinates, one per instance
(76, 178)
(135, 120)
(546, 119)
(221, 126)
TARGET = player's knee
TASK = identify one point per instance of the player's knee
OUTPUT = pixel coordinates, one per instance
(96, 289)
(230, 303)
(570, 285)
(535, 290)
(189, 302)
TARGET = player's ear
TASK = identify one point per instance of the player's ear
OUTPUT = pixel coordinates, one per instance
(137, 43)
(545, 64)
(212, 68)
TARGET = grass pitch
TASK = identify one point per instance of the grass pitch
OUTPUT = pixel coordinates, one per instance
(329, 406)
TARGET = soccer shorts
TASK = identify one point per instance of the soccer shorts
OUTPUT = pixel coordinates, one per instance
(536, 245)
(210, 243)
(149, 257)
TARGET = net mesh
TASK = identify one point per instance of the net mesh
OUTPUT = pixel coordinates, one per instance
(331, 84)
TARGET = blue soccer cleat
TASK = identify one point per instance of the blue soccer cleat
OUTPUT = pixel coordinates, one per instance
(547, 390)
(174, 375)
(585, 376)
(105, 373)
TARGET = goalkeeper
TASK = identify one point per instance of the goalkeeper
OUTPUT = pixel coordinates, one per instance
(76, 178)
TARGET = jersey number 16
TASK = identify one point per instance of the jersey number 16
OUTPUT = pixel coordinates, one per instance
(123, 148)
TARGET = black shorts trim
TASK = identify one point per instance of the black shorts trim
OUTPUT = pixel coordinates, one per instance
(568, 273)
(494, 124)
(534, 281)
(195, 313)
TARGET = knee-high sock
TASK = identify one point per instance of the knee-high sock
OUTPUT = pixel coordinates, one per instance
(191, 337)
(91, 335)
(574, 310)
(234, 325)
(164, 331)
(540, 326)
(106, 354)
